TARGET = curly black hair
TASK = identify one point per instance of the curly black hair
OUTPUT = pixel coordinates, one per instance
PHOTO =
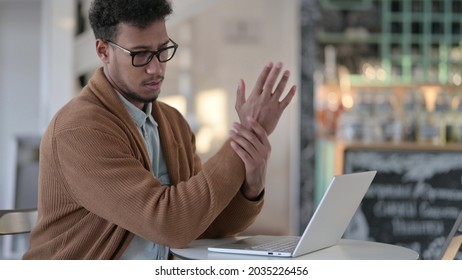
(105, 15)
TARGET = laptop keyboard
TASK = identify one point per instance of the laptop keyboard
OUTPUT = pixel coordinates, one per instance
(281, 245)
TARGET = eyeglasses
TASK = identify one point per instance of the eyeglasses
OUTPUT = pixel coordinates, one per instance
(143, 58)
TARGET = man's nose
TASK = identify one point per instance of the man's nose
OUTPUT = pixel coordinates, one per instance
(154, 66)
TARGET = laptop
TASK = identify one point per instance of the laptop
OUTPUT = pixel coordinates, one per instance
(327, 225)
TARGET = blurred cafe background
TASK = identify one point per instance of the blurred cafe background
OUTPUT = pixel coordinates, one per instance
(379, 87)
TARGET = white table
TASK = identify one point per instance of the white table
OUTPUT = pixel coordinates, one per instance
(344, 250)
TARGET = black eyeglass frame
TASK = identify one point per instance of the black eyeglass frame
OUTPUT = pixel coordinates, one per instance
(153, 53)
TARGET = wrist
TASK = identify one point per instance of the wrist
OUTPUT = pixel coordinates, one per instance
(252, 194)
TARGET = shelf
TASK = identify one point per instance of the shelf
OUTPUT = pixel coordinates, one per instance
(418, 34)
(408, 146)
(349, 37)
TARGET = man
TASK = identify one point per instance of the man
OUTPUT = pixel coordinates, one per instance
(119, 176)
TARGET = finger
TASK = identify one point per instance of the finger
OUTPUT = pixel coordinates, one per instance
(245, 157)
(262, 77)
(245, 138)
(246, 147)
(285, 102)
(271, 81)
(240, 94)
(282, 84)
(257, 137)
(260, 132)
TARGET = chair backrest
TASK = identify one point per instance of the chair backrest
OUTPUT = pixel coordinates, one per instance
(16, 221)
(453, 241)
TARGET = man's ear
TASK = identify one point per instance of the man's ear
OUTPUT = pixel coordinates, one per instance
(102, 50)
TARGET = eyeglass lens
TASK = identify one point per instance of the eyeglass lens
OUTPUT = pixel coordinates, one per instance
(142, 58)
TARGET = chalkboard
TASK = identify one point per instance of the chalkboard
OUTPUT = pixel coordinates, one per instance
(414, 199)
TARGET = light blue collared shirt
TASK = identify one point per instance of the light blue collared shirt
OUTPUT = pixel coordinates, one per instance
(140, 248)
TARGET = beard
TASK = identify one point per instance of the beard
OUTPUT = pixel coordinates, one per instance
(137, 98)
(129, 93)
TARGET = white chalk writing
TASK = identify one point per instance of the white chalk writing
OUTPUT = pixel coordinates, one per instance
(415, 228)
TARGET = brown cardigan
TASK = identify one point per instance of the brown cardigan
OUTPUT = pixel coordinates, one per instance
(96, 187)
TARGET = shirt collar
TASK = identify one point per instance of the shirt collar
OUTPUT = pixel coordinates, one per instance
(138, 116)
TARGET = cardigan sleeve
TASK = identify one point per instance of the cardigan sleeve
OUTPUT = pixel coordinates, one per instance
(235, 218)
(101, 172)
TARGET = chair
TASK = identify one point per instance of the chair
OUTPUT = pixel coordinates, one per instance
(16, 221)
(453, 241)
(14, 228)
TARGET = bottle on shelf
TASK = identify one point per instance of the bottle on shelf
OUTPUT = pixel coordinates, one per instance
(371, 131)
(351, 123)
(433, 125)
(388, 117)
(456, 118)
(413, 108)
(443, 109)
(348, 126)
